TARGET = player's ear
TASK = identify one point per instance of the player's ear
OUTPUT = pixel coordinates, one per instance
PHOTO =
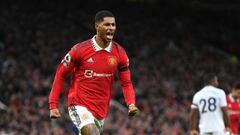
(96, 26)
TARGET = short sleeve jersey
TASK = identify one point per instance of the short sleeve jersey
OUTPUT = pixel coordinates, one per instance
(209, 101)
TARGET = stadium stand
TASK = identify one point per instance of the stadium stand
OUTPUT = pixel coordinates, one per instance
(169, 50)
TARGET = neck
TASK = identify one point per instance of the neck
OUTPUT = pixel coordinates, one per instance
(103, 44)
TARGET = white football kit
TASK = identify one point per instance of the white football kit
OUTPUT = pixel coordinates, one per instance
(209, 101)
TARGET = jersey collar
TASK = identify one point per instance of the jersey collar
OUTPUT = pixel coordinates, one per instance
(232, 99)
(98, 48)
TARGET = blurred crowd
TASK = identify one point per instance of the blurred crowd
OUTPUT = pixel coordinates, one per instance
(168, 55)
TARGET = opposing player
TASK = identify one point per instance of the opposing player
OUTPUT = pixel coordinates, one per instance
(233, 101)
(211, 106)
(92, 64)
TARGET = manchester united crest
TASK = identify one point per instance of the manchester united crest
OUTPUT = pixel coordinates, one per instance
(112, 60)
(85, 117)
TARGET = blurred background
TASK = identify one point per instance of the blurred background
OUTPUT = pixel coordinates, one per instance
(171, 43)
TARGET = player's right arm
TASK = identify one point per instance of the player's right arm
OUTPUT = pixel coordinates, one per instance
(64, 68)
(193, 121)
(194, 116)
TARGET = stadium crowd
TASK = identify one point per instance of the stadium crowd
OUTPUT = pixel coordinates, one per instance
(168, 54)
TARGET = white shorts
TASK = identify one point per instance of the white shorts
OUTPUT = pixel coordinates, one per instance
(213, 133)
(81, 117)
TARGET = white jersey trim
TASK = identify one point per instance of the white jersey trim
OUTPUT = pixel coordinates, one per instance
(98, 48)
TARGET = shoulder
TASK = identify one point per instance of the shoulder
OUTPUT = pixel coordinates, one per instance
(117, 46)
(82, 45)
(198, 94)
(228, 98)
(221, 91)
(202, 92)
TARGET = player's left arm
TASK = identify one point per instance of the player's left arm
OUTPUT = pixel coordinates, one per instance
(124, 76)
(226, 118)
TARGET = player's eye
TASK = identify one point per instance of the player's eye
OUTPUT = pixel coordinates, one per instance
(110, 24)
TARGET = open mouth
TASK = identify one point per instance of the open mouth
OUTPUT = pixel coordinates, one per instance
(109, 35)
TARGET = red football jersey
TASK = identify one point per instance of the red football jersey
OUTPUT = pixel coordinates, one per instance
(93, 71)
(234, 112)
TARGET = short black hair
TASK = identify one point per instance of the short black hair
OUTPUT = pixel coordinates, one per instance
(207, 78)
(101, 14)
(236, 85)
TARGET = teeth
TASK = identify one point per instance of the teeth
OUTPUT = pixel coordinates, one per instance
(109, 33)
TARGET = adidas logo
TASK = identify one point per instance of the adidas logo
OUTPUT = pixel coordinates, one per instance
(90, 60)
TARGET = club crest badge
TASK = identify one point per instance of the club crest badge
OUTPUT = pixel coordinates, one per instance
(85, 117)
(112, 60)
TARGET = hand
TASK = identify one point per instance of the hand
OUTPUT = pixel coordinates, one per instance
(133, 110)
(193, 132)
(228, 131)
(54, 113)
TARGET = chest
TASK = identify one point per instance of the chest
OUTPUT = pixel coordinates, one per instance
(100, 61)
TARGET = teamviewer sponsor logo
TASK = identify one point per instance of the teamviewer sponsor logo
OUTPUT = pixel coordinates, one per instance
(90, 74)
